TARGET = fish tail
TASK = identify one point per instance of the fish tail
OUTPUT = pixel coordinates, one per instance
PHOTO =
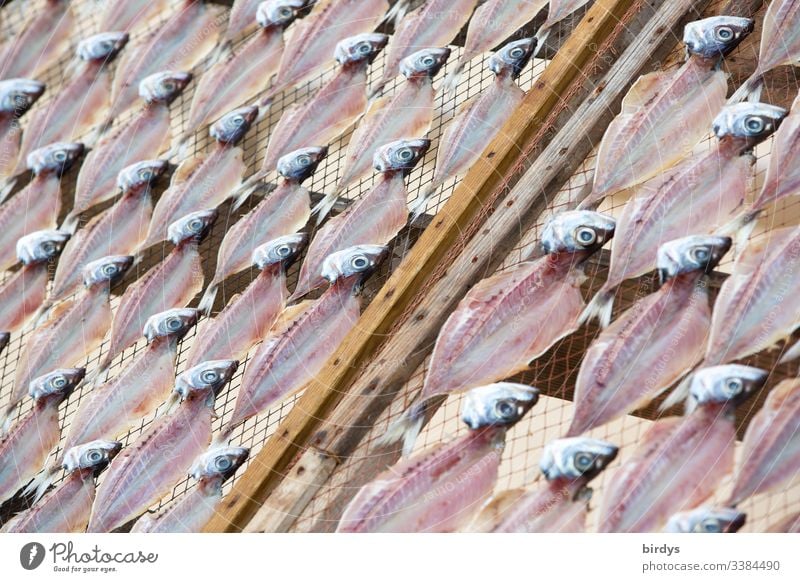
(406, 428)
(7, 187)
(421, 204)
(750, 90)
(600, 308)
(207, 301)
(541, 38)
(396, 13)
(324, 207)
(222, 438)
(680, 393)
(451, 81)
(42, 482)
(244, 191)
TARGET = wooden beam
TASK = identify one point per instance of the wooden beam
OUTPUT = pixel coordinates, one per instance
(444, 237)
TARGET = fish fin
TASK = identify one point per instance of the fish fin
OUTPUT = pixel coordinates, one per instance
(791, 354)
(421, 204)
(186, 169)
(324, 207)
(495, 510)
(71, 223)
(453, 77)
(600, 308)
(406, 428)
(396, 13)
(750, 90)
(207, 301)
(680, 393)
(541, 38)
(8, 186)
(5, 419)
(643, 90)
(41, 483)
(243, 192)
(222, 438)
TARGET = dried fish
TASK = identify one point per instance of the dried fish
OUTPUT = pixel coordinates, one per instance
(655, 342)
(375, 219)
(31, 439)
(142, 474)
(706, 520)
(439, 489)
(17, 96)
(197, 507)
(559, 506)
(242, 19)
(681, 460)
(204, 181)
(248, 318)
(66, 509)
(131, 15)
(405, 114)
(484, 340)
(667, 112)
(699, 195)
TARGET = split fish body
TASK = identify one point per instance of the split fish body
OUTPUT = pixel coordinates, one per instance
(17, 96)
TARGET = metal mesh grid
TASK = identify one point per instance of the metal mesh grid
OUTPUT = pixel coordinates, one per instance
(253, 433)
(556, 371)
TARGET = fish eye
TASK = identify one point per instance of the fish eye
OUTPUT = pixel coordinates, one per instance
(222, 463)
(516, 53)
(284, 250)
(173, 323)
(284, 12)
(94, 456)
(359, 262)
(145, 174)
(733, 385)
(711, 526)
(405, 154)
(428, 61)
(754, 124)
(238, 120)
(195, 225)
(364, 48)
(60, 155)
(304, 160)
(724, 33)
(586, 236)
(505, 409)
(583, 461)
(700, 254)
(48, 247)
(59, 382)
(108, 269)
(209, 377)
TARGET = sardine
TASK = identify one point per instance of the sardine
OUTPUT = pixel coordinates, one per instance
(771, 455)
(205, 181)
(131, 15)
(247, 319)
(439, 489)
(655, 342)
(66, 509)
(699, 195)
(407, 113)
(172, 283)
(374, 219)
(36, 207)
(561, 505)
(31, 439)
(195, 509)
(17, 96)
(483, 340)
(143, 138)
(149, 468)
(284, 211)
(681, 460)
(665, 114)
(706, 520)
(292, 355)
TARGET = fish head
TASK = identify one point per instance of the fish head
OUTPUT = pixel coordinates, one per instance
(577, 230)
(172, 322)
(361, 48)
(206, 378)
(726, 383)
(499, 404)
(752, 122)
(56, 158)
(163, 87)
(220, 463)
(513, 57)
(689, 254)
(278, 13)
(106, 269)
(41, 246)
(424, 63)
(231, 127)
(19, 95)
(282, 250)
(300, 164)
(401, 155)
(59, 383)
(358, 261)
(577, 457)
(706, 520)
(141, 174)
(102, 46)
(714, 37)
(192, 226)
(94, 455)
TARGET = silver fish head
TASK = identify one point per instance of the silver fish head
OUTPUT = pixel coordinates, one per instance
(401, 155)
(572, 458)
(281, 250)
(207, 377)
(141, 174)
(19, 95)
(513, 57)
(300, 164)
(94, 455)
(102, 46)
(59, 383)
(220, 462)
(278, 13)
(726, 383)
(706, 520)
(231, 127)
(41, 246)
(163, 87)
(753, 122)
(56, 158)
(172, 322)
(191, 226)
(716, 36)
(106, 269)
(425, 63)
(359, 260)
(690, 253)
(577, 230)
(362, 48)
(499, 404)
